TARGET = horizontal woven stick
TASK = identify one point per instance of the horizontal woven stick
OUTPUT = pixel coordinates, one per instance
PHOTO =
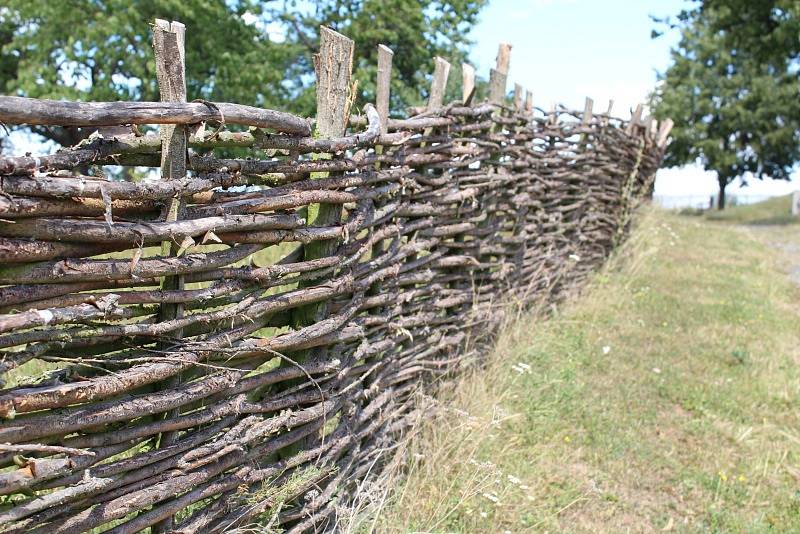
(21, 110)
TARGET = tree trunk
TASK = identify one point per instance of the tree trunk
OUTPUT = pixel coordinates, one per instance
(723, 183)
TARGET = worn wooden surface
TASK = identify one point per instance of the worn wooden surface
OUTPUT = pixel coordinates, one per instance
(19, 110)
(499, 75)
(441, 72)
(467, 81)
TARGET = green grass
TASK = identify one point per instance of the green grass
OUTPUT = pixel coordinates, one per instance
(665, 398)
(775, 210)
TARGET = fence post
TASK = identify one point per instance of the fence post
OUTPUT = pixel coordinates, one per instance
(440, 73)
(663, 133)
(467, 83)
(529, 102)
(635, 119)
(334, 66)
(607, 120)
(587, 111)
(499, 75)
(382, 96)
(518, 97)
(384, 81)
(169, 49)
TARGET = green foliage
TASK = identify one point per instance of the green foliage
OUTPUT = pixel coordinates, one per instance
(101, 50)
(244, 51)
(733, 96)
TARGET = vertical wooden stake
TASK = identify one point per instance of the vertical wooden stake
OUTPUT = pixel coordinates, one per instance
(587, 111)
(334, 66)
(518, 90)
(384, 82)
(607, 118)
(663, 132)
(168, 44)
(170, 55)
(635, 119)
(467, 81)
(440, 73)
(499, 75)
(382, 97)
(529, 102)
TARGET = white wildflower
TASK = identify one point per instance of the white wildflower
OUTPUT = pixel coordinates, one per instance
(492, 497)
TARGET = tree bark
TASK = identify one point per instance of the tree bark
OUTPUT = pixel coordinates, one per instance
(721, 200)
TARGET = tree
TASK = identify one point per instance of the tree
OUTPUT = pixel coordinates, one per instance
(243, 51)
(101, 50)
(734, 102)
(416, 30)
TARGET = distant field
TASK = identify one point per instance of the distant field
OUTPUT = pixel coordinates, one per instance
(776, 210)
(665, 399)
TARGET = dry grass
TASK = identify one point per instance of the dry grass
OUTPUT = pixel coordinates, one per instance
(664, 399)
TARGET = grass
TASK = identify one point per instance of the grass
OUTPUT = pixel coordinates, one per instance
(665, 398)
(775, 210)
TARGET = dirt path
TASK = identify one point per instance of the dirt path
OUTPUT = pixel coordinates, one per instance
(785, 238)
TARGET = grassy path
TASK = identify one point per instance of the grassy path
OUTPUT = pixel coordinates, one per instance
(665, 399)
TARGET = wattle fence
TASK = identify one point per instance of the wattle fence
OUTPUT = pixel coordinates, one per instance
(240, 341)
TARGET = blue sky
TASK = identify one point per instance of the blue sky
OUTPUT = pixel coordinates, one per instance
(566, 50)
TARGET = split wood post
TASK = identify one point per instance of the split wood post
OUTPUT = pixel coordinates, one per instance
(529, 103)
(467, 83)
(441, 71)
(635, 119)
(518, 90)
(663, 133)
(587, 111)
(607, 119)
(334, 66)
(384, 82)
(586, 120)
(499, 74)
(382, 96)
(169, 48)
(383, 92)
(497, 95)
(653, 128)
